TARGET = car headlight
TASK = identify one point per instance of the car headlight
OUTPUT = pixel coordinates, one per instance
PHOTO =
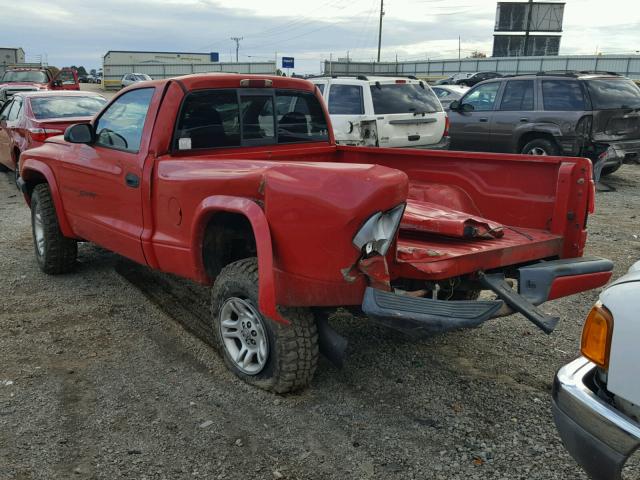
(377, 233)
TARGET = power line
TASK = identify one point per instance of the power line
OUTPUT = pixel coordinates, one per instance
(237, 40)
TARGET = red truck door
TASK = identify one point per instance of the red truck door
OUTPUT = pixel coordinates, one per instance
(66, 79)
(101, 188)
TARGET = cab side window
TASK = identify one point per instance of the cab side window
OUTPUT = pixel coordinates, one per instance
(345, 100)
(122, 124)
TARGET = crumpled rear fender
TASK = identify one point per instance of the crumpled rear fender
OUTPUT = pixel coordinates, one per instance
(250, 209)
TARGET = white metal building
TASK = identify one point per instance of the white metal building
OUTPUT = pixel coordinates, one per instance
(10, 56)
(160, 65)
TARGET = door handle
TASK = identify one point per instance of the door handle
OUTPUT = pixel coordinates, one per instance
(524, 119)
(132, 180)
(483, 119)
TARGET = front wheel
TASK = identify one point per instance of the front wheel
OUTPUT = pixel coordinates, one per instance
(540, 146)
(262, 352)
(55, 253)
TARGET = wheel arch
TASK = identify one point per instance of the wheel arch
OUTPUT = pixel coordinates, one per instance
(35, 172)
(242, 213)
(547, 134)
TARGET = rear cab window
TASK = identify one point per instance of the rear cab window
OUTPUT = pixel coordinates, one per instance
(563, 95)
(234, 118)
(390, 98)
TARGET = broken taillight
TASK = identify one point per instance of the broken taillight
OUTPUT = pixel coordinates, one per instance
(41, 134)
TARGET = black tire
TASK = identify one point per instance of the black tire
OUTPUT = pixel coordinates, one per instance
(609, 170)
(56, 253)
(16, 171)
(292, 349)
(541, 145)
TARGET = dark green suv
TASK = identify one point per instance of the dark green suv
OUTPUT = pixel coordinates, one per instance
(593, 115)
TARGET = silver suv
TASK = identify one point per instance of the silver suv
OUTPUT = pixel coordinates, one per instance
(593, 115)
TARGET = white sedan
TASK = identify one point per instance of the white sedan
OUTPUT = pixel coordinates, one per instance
(131, 78)
(596, 398)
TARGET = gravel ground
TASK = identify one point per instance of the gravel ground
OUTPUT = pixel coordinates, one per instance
(97, 380)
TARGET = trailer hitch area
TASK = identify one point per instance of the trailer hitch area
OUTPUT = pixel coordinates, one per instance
(498, 284)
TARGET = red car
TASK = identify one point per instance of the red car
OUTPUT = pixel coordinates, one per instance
(21, 79)
(29, 118)
(236, 181)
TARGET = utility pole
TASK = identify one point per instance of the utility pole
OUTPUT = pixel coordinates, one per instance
(380, 29)
(526, 33)
(458, 47)
(237, 40)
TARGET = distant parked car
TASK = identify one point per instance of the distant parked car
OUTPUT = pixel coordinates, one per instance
(131, 78)
(596, 398)
(453, 79)
(448, 93)
(384, 112)
(575, 114)
(477, 78)
(29, 118)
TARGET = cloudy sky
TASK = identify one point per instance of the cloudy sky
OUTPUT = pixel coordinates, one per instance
(79, 32)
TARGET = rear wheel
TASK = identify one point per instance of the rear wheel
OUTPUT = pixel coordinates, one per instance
(262, 352)
(609, 170)
(55, 253)
(16, 171)
(540, 146)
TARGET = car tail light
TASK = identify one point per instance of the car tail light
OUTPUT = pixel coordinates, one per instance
(596, 335)
(256, 83)
(401, 81)
(446, 126)
(41, 134)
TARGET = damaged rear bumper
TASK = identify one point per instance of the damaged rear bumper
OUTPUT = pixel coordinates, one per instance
(537, 283)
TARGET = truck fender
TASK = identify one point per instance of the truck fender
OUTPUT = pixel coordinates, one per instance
(266, 279)
(31, 169)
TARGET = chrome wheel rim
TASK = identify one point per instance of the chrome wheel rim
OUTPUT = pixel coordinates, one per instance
(537, 151)
(243, 335)
(38, 229)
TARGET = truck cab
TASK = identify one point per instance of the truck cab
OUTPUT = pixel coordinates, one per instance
(20, 79)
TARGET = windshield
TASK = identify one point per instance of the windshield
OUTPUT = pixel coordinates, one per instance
(66, 107)
(13, 76)
(609, 94)
(142, 77)
(404, 98)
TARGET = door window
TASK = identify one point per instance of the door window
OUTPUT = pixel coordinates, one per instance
(6, 108)
(122, 124)
(320, 87)
(563, 95)
(65, 77)
(483, 97)
(16, 108)
(346, 100)
(517, 96)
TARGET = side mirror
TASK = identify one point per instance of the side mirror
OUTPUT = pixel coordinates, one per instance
(467, 107)
(57, 83)
(455, 105)
(79, 133)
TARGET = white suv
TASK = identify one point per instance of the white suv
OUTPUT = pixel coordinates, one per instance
(384, 112)
(596, 398)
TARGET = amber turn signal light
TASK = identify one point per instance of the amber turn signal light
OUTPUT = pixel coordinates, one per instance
(596, 335)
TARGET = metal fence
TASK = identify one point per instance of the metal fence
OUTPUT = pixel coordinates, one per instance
(113, 73)
(628, 65)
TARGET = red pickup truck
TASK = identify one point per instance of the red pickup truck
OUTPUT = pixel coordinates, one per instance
(236, 181)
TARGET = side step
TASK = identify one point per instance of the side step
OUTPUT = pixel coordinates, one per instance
(423, 315)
